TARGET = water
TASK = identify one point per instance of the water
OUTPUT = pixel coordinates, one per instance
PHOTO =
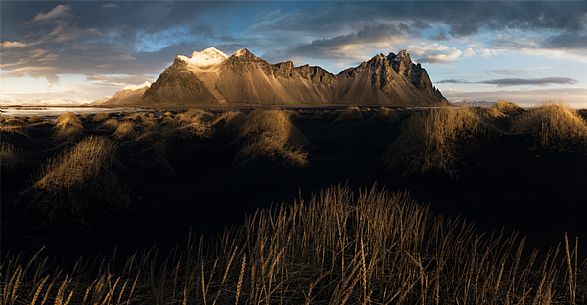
(56, 111)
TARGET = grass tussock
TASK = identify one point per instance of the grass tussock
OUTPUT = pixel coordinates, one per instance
(126, 131)
(350, 114)
(110, 124)
(34, 119)
(100, 117)
(338, 248)
(271, 134)
(148, 155)
(230, 122)
(14, 126)
(553, 126)
(68, 127)
(429, 140)
(11, 156)
(79, 183)
(193, 123)
(501, 109)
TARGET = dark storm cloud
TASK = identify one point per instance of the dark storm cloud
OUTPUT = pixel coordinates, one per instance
(42, 39)
(463, 17)
(569, 40)
(505, 82)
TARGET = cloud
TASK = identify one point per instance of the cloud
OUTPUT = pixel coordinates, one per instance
(13, 44)
(447, 57)
(120, 80)
(575, 97)
(109, 5)
(568, 40)
(349, 48)
(60, 11)
(505, 82)
(434, 53)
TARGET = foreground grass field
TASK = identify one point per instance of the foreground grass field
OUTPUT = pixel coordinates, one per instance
(80, 185)
(371, 247)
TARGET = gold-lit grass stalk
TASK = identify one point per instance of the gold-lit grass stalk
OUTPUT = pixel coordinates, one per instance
(429, 140)
(339, 247)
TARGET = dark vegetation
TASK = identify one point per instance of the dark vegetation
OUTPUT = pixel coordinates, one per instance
(82, 185)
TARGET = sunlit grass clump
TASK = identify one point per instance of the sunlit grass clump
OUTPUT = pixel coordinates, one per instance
(430, 140)
(501, 109)
(126, 131)
(110, 124)
(554, 126)
(99, 117)
(79, 183)
(68, 127)
(230, 122)
(193, 123)
(349, 114)
(271, 134)
(13, 126)
(337, 248)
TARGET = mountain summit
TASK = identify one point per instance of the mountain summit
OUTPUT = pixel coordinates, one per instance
(210, 77)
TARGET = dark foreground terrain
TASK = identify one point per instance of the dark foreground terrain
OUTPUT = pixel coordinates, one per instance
(398, 228)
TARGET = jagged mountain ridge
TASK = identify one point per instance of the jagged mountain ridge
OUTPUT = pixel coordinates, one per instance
(212, 77)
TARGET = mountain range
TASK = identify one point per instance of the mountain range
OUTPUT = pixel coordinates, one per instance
(210, 77)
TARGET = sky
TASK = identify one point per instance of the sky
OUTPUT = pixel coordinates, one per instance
(79, 51)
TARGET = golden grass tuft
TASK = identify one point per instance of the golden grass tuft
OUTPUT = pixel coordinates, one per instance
(68, 127)
(553, 126)
(230, 122)
(429, 140)
(85, 160)
(126, 131)
(339, 247)
(14, 126)
(33, 119)
(79, 183)
(271, 134)
(99, 117)
(192, 123)
(110, 124)
(350, 114)
(501, 109)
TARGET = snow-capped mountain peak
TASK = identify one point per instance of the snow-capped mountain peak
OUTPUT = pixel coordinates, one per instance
(205, 58)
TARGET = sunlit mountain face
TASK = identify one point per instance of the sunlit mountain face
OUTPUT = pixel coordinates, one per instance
(78, 52)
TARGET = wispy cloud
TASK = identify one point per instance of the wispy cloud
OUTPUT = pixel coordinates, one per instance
(506, 82)
(60, 11)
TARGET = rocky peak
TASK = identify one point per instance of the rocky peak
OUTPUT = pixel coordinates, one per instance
(245, 55)
(378, 60)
